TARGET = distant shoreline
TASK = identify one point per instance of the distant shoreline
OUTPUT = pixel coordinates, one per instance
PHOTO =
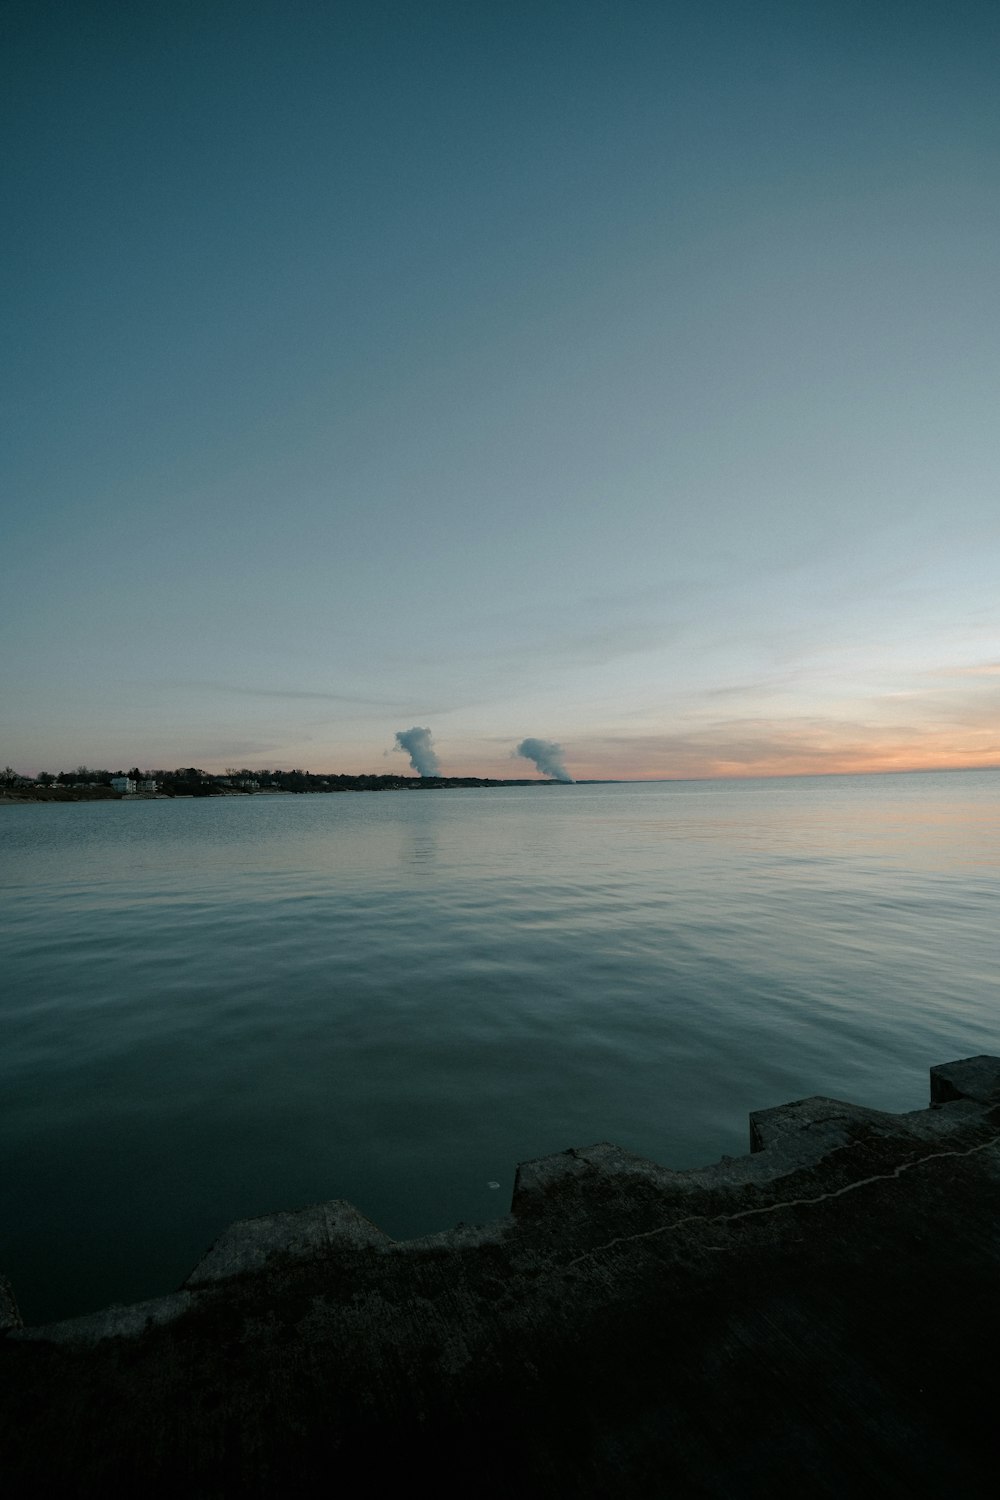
(27, 793)
(24, 795)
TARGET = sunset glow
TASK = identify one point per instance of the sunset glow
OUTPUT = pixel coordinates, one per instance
(529, 373)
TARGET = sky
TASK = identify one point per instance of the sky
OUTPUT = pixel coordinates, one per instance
(619, 374)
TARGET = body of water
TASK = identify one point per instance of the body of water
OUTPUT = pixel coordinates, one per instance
(218, 1008)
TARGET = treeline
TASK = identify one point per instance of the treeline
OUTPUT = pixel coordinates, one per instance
(191, 781)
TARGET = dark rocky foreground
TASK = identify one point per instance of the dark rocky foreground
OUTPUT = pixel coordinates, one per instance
(820, 1318)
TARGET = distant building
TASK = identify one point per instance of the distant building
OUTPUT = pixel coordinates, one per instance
(123, 784)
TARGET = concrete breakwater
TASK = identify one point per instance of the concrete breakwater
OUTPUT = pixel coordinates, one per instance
(813, 1317)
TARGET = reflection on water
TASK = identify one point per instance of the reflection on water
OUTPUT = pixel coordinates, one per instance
(218, 1008)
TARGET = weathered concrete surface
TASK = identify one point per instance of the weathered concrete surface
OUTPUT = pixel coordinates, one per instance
(818, 1318)
(9, 1315)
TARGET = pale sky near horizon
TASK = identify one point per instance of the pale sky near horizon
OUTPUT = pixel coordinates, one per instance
(623, 375)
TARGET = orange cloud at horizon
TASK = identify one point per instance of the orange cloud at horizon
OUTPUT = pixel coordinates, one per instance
(746, 750)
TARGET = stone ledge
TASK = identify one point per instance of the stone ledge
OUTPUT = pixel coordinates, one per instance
(569, 1198)
(249, 1245)
(973, 1078)
(814, 1318)
(9, 1315)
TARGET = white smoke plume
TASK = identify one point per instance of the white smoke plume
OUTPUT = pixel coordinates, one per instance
(417, 744)
(547, 757)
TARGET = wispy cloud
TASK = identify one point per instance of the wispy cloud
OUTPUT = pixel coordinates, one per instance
(298, 695)
(978, 669)
(752, 688)
(814, 746)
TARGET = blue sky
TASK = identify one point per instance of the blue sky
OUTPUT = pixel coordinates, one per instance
(618, 374)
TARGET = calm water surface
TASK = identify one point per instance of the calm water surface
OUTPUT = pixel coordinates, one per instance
(218, 1008)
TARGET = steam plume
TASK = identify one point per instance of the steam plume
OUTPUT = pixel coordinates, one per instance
(417, 744)
(547, 757)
